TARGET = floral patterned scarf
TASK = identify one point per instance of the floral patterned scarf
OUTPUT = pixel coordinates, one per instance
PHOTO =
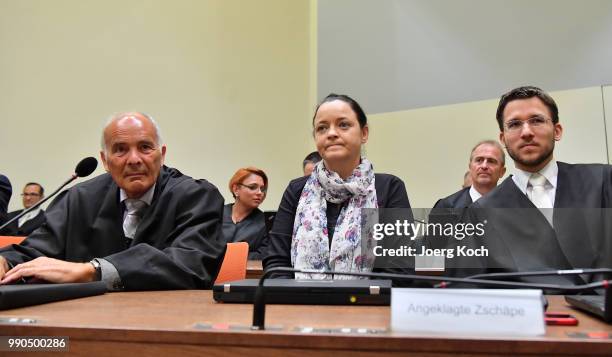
(310, 247)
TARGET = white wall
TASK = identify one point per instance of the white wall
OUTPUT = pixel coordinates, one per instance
(229, 82)
(607, 99)
(397, 55)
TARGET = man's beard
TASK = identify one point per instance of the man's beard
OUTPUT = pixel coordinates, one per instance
(533, 162)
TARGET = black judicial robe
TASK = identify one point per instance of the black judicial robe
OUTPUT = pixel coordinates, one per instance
(252, 230)
(175, 246)
(27, 228)
(447, 210)
(5, 196)
(520, 239)
(459, 199)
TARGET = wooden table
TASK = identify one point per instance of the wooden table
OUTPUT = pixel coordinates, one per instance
(254, 269)
(164, 323)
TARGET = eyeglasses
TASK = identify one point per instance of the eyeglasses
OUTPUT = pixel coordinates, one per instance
(30, 194)
(255, 188)
(516, 125)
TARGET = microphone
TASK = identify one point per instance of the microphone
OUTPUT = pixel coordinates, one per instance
(84, 168)
(259, 302)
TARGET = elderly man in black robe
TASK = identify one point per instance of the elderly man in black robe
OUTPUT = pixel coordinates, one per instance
(140, 226)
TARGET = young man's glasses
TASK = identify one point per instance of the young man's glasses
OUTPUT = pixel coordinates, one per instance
(516, 125)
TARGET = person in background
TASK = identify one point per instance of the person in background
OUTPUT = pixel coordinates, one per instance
(309, 162)
(5, 196)
(467, 180)
(318, 222)
(243, 221)
(32, 193)
(486, 166)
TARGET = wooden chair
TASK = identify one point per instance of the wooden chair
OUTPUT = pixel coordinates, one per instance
(234, 266)
(8, 240)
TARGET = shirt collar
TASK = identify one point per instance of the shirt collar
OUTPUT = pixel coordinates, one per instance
(33, 213)
(474, 194)
(147, 197)
(550, 171)
(28, 216)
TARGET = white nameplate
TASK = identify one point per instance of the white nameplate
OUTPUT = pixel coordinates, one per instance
(467, 311)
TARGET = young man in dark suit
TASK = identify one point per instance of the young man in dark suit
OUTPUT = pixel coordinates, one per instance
(548, 215)
(140, 226)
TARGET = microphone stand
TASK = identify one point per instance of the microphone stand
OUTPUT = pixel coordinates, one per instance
(605, 271)
(26, 211)
(259, 302)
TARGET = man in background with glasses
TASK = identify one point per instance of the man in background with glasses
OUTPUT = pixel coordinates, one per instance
(551, 216)
(32, 193)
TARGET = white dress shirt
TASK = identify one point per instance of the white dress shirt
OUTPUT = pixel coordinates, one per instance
(550, 171)
(474, 194)
(28, 216)
(146, 198)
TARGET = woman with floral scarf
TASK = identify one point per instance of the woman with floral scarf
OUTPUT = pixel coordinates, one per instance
(319, 220)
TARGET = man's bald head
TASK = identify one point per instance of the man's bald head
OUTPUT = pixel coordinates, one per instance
(126, 115)
(132, 152)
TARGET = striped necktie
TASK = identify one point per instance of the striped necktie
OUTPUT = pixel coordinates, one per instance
(134, 208)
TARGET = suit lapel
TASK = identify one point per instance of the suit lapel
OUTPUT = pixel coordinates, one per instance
(571, 224)
(110, 219)
(563, 193)
(513, 197)
(466, 199)
(32, 224)
(148, 217)
(150, 214)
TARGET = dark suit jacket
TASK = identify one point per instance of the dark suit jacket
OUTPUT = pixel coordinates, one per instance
(459, 199)
(447, 210)
(5, 196)
(175, 246)
(27, 228)
(520, 239)
(252, 230)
